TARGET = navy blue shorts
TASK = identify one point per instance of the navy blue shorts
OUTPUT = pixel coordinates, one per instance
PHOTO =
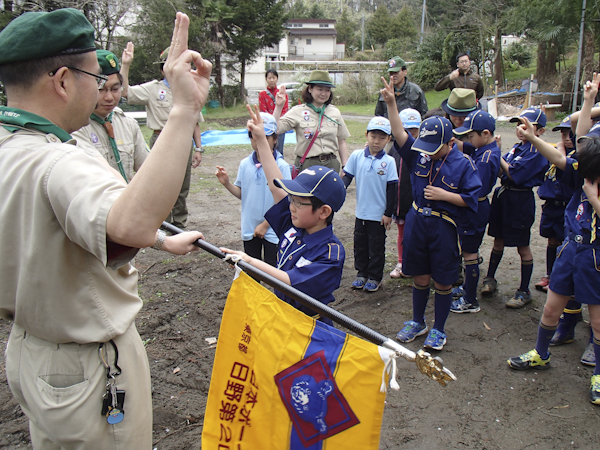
(583, 282)
(552, 223)
(470, 243)
(511, 217)
(430, 248)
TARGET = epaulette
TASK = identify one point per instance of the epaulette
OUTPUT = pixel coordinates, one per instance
(334, 251)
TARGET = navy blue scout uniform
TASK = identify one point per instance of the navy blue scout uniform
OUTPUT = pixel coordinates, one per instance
(430, 235)
(314, 262)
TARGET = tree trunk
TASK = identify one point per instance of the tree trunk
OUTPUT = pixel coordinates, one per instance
(541, 61)
(243, 80)
(588, 54)
(498, 70)
(219, 78)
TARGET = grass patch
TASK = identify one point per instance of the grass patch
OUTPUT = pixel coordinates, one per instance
(435, 98)
(366, 109)
(208, 184)
(226, 113)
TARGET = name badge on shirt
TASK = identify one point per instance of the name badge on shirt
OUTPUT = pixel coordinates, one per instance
(303, 262)
(306, 115)
(424, 159)
(289, 235)
(162, 94)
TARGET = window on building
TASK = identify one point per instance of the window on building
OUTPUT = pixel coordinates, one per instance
(297, 25)
(308, 41)
(323, 25)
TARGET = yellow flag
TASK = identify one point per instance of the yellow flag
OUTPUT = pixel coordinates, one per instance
(282, 380)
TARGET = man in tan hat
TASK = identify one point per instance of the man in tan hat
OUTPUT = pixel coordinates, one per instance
(459, 105)
(69, 227)
(408, 94)
(158, 99)
(462, 77)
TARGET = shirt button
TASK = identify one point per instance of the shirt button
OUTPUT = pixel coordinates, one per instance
(289, 258)
(298, 242)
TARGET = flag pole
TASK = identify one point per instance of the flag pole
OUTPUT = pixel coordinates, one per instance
(431, 366)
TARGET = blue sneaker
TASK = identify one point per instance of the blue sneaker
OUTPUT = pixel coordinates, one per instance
(372, 285)
(435, 340)
(410, 331)
(458, 292)
(460, 305)
(359, 283)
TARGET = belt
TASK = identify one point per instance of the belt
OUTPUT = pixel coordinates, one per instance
(325, 157)
(580, 239)
(556, 202)
(510, 188)
(157, 131)
(432, 212)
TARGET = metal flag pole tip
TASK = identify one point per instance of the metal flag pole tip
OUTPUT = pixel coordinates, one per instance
(428, 365)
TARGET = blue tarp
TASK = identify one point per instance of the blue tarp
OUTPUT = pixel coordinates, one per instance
(235, 137)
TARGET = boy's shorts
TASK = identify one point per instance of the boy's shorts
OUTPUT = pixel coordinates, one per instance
(511, 216)
(430, 248)
(582, 282)
(471, 241)
(552, 222)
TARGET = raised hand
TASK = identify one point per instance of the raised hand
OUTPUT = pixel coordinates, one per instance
(590, 89)
(280, 98)
(255, 124)
(526, 130)
(189, 87)
(222, 175)
(388, 91)
(127, 56)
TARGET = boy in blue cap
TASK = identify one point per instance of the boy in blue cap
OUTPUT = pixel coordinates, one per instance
(513, 207)
(376, 197)
(444, 183)
(575, 270)
(251, 188)
(310, 257)
(479, 126)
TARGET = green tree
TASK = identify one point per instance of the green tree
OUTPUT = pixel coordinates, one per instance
(346, 30)
(381, 26)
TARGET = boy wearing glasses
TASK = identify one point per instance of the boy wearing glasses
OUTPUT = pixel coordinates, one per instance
(310, 257)
(115, 136)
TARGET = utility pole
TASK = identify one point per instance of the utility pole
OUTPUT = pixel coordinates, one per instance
(578, 71)
(363, 33)
(423, 22)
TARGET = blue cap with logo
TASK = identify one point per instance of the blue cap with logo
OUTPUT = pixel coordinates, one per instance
(381, 124)
(269, 123)
(565, 124)
(433, 134)
(535, 115)
(321, 182)
(477, 121)
(411, 118)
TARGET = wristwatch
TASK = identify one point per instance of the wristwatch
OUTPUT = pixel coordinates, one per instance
(160, 240)
(199, 149)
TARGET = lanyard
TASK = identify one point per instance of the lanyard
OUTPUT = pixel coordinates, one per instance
(104, 357)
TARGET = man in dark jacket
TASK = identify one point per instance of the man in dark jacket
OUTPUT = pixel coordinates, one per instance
(462, 77)
(408, 95)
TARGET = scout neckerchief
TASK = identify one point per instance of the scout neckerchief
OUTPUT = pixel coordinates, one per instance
(321, 112)
(257, 163)
(13, 119)
(107, 125)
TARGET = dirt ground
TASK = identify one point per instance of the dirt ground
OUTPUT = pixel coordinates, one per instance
(488, 407)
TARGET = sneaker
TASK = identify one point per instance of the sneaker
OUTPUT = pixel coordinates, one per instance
(564, 334)
(460, 305)
(520, 299)
(435, 340)
(397, 272)
(542, 285)
(529, 360)
(595, 390)
(458, 292)
(372, 285)
(489, 286)
(359, 283)
(410, 331)
(589, 357)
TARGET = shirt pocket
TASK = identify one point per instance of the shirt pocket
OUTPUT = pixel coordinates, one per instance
(450, 183)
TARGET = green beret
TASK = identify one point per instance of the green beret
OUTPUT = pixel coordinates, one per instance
(109, 63)
(36, 35)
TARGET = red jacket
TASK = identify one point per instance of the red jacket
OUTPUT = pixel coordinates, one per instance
(267, 104)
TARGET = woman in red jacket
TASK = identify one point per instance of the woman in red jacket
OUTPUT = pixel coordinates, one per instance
(266, 102)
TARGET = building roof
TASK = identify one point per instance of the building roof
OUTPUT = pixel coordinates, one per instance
(312, 20)
(313, 32)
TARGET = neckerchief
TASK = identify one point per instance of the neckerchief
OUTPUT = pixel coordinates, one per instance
(107, 125)
(321, 112)
(257, 163)
(12, 119)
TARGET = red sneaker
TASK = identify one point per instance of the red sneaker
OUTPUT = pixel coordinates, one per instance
(542, 285)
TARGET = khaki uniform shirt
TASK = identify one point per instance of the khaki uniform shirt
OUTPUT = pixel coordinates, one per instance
(304, 121)
(57, 280)
(128, 137)
(157, 97)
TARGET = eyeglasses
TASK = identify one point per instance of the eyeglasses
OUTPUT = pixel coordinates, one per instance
(113, 90)
(100, 79)
(297, 203)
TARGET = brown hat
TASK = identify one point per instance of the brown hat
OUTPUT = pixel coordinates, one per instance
(460, 102)
(320, 77)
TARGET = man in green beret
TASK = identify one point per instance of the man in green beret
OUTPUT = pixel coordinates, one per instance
(408, 94)
(69, 227)
(116, 137)
(157, 97)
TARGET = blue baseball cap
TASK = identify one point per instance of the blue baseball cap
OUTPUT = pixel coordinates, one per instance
(433, 134)
(411, 118)
(321, 182)
(477, 121)
(269, 123)
(381, 124)
(564, 125)
(534, 115)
